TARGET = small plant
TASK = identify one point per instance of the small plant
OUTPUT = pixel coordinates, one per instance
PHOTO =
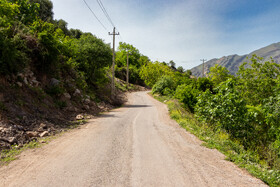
(20, 102)
(2, 106)
(60, 104)
(55, 91)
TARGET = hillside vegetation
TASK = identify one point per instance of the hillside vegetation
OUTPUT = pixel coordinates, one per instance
(51, 76)
(238, 115)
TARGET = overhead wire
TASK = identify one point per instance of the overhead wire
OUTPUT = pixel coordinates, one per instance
(95, 15)
(120, 35)
(107, 16)
(105, 12)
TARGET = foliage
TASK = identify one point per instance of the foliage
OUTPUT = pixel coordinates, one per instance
(225, 110)
(172, 65)
(219, 74)
(220, 140)
(28, 11)
(12, 48)
(134, 78)
(45, 9)
(61, 24)
(152, 72)
(271, 118)
(135, 59)
(180, 78)
(121, 55)
(93, 55)
(187, 95)
(164, 86)
(258, 79)
(180, 69)
(30, 36)
(203, 84)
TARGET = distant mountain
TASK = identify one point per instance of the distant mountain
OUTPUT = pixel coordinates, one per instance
(233, 62)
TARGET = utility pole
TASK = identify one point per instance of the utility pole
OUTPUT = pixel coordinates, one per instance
(203, 60)
(113, 66)
(127, 70)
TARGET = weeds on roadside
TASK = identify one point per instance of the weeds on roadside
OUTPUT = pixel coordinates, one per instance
(9, 155)
(220, 140)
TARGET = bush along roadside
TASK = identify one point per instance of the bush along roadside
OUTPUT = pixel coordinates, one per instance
(239, 115)
(219, 139)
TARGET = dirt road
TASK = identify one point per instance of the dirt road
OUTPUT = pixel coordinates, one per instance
(137, 145)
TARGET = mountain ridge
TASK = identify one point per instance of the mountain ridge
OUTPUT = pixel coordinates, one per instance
(232, 62)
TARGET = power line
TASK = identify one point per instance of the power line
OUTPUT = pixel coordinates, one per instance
(203, 60)
(105, 12)
(120, 36)
(95, 15)
(113, 66)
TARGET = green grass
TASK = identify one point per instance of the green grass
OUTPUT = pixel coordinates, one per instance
(9, 155)
(121, 87)
(220, 140)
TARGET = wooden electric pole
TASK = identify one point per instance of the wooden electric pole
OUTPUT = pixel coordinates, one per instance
(113, 66)
(203, 60)
(127, 70)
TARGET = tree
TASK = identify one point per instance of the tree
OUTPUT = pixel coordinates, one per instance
(62, 24)
(164, 86)
(152, 72)
(121, 55)
(136, 60)
(27, 11)
(93, 55)
(187, 94)
(45, 9)
(180, 69)
(258, 79)
(219, 74)
(172, 65)
(226, 110)
(76, 33)
(189, 73)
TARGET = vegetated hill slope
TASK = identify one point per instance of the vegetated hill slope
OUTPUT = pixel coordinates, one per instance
(233, 62)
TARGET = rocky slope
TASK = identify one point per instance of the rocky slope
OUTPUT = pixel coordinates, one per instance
(34, 105)
(233, 62)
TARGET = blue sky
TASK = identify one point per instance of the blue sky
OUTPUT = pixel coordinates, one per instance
(181, 30)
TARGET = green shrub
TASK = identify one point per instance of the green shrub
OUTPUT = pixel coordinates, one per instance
(226, 110)
(187, 95)
(55, 90)
(203, 84)
(60, 104)
(164, 86)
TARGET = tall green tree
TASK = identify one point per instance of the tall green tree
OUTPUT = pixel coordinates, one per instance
(45, 9)
(219, 74)
(152, 72)
(121, 55)
(93, 55)
(258, 79)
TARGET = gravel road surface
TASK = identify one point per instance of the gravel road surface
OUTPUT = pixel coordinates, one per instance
(136, 145)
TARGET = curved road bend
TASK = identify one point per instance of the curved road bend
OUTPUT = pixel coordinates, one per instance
(137, 145)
